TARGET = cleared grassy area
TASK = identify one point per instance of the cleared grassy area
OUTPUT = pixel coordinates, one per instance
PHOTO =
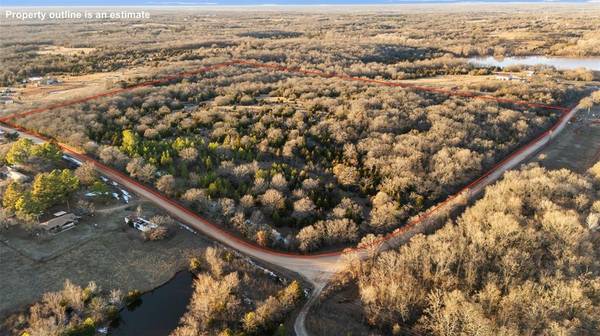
(113, 255)
(578, 147)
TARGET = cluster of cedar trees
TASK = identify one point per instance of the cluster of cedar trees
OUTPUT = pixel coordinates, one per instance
(48, 187)
(327, 161)
(53, 185)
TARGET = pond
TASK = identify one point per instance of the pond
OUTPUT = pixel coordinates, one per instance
(563, 63)
(158, 311)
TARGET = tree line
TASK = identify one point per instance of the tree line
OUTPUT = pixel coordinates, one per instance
(522, 260)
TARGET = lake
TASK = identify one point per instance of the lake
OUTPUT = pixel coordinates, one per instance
(563, 63)
(159, 311)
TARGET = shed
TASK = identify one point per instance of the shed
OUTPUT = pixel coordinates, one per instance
(60, 223)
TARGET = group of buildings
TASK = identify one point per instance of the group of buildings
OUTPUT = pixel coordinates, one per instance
(37, 81)
(62, 220)
(7, 96)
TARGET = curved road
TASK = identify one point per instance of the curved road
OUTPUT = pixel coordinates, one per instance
(317, 269)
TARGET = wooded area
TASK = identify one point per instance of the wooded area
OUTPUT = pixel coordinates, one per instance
(51, 185)
(522, 260)
(72, 311)
(313, 163)
(233, 298)
(323, 161)
(396, 44)
(302, 163)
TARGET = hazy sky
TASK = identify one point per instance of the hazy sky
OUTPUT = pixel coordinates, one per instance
(229, 2)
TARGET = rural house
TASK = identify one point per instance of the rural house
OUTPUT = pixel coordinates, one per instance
(61, 223)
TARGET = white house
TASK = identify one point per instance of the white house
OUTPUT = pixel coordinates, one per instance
(35, 79)
(15, 175)
(503, 76)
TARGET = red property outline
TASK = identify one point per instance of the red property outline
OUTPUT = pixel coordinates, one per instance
(401, 230)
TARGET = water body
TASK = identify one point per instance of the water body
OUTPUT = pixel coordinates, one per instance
(563, 63)
(159, 311)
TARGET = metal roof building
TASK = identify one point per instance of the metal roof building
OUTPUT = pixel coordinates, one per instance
(60, 223)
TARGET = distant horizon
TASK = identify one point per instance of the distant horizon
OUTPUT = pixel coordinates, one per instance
(246, 3)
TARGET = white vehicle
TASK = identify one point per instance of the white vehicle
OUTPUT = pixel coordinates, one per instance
(140, 223)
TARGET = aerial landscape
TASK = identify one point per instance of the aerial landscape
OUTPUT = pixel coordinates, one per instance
(300, 168)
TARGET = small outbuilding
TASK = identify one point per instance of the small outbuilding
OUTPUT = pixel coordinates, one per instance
(60, 223)
(13, 174)
(505, 76)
